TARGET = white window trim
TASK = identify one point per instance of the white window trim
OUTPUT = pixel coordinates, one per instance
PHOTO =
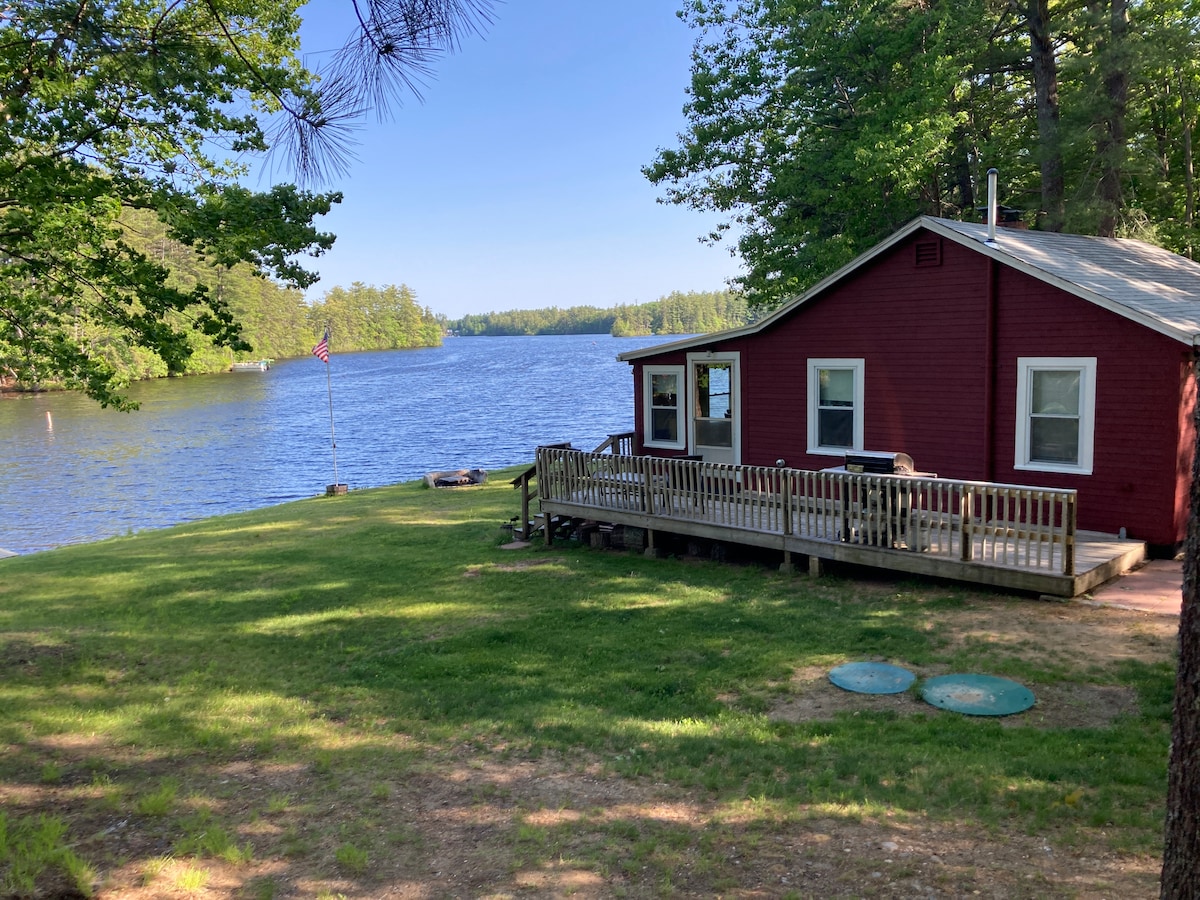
(681, 427)
(814, 395)
(1086, 365)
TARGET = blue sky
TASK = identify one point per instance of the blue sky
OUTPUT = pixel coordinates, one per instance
(516, 183)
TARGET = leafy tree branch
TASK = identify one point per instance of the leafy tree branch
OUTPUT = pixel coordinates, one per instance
(162, 106)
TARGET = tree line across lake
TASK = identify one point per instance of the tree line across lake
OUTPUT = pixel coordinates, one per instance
(692, 312)
(277, 322)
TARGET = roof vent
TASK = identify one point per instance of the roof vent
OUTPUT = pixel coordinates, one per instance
(928, 253)
(992, 208)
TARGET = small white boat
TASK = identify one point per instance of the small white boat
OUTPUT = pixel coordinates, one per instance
(254, 365)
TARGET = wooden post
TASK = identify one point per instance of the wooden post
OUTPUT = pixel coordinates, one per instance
(650, 551)
(786, 567)
(1069, 536)
(524, 535)
(966, 510)
(814, 566)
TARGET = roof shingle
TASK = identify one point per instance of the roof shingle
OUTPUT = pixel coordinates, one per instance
(1133, 278)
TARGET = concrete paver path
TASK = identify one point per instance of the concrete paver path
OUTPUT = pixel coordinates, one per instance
(1156, 587)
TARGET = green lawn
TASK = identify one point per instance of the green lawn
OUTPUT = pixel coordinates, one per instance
(290, 702)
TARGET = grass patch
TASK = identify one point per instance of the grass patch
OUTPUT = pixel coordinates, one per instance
(160, 801)
(352, 859)
(34, 853)
(367, 677)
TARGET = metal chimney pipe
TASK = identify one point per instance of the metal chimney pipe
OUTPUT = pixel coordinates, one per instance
(993, 206)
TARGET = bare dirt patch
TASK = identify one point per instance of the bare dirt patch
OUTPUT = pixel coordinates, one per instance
(27, 656)
(517, 565)
(1048, 634)
(813, 697)
(1070, 633)
(482, 828)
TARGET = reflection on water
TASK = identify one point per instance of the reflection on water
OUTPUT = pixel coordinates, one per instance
(72, 472)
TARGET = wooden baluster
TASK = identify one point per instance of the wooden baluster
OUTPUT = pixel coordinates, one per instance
(788, 484)
(966, 511)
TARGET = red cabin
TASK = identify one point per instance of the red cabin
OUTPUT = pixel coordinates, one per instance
(1032, 358)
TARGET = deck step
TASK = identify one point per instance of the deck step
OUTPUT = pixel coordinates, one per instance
(1105, 558)
(537, 525)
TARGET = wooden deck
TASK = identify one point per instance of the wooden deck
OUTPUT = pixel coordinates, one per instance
(1012, 536)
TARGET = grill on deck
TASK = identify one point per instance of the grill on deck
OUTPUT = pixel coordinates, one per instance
(877, 462)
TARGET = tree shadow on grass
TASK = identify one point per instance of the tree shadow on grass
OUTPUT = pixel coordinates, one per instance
(343, 684)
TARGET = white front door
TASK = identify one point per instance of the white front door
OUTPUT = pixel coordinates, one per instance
(714, 424)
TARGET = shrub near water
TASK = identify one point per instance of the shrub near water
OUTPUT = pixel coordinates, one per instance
(260, 688)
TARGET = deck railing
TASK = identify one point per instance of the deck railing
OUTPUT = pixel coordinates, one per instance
(1000, 524)
(526, 482)
(620, 444)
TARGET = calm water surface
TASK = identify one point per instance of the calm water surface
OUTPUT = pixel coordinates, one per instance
(72, 472)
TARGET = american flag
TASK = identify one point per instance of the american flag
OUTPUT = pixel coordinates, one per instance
(321, 351)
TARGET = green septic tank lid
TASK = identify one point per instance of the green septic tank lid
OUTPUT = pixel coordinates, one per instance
(872, 678)
(977, 695)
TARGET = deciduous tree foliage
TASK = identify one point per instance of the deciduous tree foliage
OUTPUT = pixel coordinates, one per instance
(158, 105)
(820, 126)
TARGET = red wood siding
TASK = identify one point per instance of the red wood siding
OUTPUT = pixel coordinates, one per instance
(1134, 480)
(923, 332)
(919, 332)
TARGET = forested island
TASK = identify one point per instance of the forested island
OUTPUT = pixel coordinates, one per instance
(693, 312)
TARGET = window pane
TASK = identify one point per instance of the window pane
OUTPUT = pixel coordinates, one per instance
(1055, 393)
(664, 390)
(664, 425)
(837, 387)
(714, 432)
(835, 427)
(712, 390)
(1054, 440)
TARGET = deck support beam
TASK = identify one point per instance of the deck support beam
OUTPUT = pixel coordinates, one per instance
(815, 569)
(650, 550)
(786, 567)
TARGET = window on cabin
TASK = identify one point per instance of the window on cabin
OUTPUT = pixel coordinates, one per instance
(663, 401)
(1056, 409)
(835, 405)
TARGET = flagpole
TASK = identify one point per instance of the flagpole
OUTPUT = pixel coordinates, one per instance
(332, 433)
(321, 352)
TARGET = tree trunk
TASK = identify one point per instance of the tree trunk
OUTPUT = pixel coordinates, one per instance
(1185, 116)
(1181, 851)
(961, 167)
(1045, 86)
(1111, 146)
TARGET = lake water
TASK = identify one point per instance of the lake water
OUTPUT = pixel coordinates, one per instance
(72, 472)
